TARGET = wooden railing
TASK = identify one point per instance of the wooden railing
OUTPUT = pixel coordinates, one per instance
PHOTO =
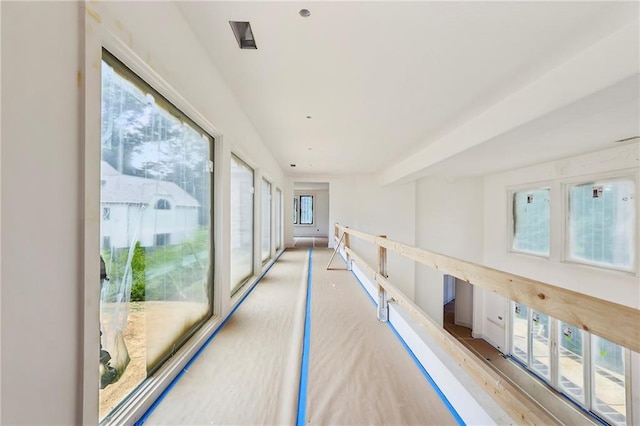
(612, 321)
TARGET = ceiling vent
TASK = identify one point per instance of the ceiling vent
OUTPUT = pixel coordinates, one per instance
(244, 34)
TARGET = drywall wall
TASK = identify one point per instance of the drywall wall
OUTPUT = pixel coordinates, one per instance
(386, 210)
(0, 225)
(621, 287)
(360, 203)
(41, 213)
(43, 173)
(464, 304)
(320, 226)
(616, 286)
(154, 40)
(449, 220)
(341, 201)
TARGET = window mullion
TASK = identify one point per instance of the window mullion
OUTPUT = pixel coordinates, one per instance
(588, 370)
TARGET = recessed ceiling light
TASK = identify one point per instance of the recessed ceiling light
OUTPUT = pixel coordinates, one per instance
(304, 13)
(244, 34)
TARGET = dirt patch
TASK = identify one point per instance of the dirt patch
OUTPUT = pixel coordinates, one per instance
(136, 372)
(152, 327)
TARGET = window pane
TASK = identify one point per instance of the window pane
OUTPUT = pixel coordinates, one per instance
(155, 231)
(571, 361)
(266, 220)
(306, 209)
(602, 223)
(531, 221)
(278, 219)
(520, 332)
(609, 398)
(241, 222)
(540, 345)
(295, 211)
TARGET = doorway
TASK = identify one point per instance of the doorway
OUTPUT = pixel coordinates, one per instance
(458, 307)
(311, 214)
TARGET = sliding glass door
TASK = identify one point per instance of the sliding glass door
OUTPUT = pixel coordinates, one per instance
(156, 179)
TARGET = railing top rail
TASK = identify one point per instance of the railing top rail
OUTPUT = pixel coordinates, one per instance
(612, 321)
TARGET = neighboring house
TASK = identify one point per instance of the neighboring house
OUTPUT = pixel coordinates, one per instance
(151, 211)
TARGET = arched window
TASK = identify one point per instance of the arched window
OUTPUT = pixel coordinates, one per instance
(162, 204)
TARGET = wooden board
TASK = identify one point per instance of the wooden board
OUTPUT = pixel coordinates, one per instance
(511, 399)
(612, 321)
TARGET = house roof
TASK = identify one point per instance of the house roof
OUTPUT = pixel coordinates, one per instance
(118, 188)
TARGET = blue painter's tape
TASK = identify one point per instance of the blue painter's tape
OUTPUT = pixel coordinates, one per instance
(166, 391)
(444, 399)
(433, 384)
(304, 368)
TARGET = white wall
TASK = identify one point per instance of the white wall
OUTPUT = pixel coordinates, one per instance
(360, 203)
(48, 212)
(449, 220)
(320, 227)
(616, 286)
(386, 210)
(41, 213)
(464, 304)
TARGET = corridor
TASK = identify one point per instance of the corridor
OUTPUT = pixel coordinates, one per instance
(358, 372)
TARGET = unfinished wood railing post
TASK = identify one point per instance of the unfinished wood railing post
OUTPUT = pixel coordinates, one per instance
(346, 246)
(383, 306)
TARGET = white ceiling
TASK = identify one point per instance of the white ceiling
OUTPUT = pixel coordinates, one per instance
(384, 80)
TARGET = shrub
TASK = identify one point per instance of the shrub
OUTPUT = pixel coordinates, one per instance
(138, 274)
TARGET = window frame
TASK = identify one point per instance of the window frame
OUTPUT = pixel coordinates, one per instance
(588, 364)
(235, 288)
(265, 259)
(97, 43)
(313, 210)
(512, 218)
(277, 218)
(567, 257)
(138, 79)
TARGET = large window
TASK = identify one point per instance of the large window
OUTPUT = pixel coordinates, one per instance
(266, 220)
(241, 223)
(602, 223)
(156, 262)
(531, 221)
(590, 370)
